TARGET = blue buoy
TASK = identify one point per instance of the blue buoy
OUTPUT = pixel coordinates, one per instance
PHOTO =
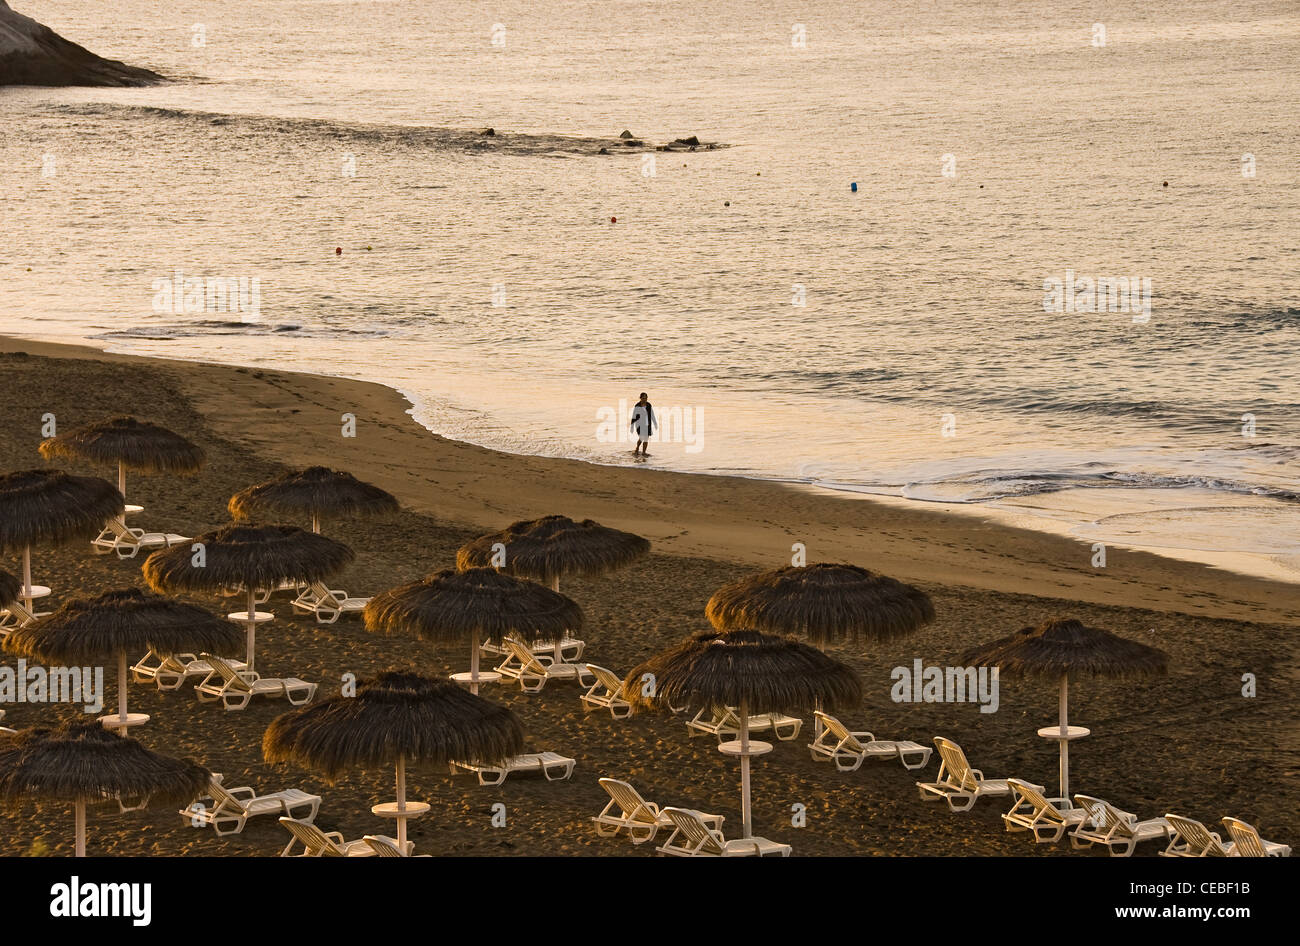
(854, 187)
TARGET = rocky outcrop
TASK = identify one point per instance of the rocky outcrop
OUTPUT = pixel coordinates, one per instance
(32, 54)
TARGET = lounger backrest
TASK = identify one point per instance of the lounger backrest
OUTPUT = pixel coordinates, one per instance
(223, 798)
(1104, 816)
(1197, 836)
(688, 821)
(608, 680)
(311, 837)
(1035, 798)
(521, 652)
(1245, 838)
(627, 797)
(120, 531)
(954, 761)
(323, 593)
(839, 731)
(382, 847)
(227, 673)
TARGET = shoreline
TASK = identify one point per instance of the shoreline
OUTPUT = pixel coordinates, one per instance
(725, 518)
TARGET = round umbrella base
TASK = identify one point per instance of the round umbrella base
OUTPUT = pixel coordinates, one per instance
(414, 809)
(124, 722)
(467, 678)
(733, 748)
(38, 591)
(131, 509)
(1071, 732)
(259, 617)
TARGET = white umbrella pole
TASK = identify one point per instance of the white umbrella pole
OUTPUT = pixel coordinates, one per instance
(401, 803)
(80, 818)
(747, 821)
(315, 523)
(555, 586)
(252, 627)
(27, 576)
(473, 666)
(121, 692)
(121, 488)
(1065, 731)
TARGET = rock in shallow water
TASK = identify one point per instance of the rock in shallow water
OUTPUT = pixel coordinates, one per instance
(32, 54)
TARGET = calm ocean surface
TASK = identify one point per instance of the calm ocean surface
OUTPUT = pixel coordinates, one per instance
(483, 277)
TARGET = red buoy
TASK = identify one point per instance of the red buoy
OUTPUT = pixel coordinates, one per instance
(613, 219)
(338, 251)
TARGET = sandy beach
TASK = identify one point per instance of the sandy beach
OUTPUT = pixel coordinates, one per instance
(1190, 742)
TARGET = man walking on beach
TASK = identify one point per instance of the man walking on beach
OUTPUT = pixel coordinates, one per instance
(644, 423)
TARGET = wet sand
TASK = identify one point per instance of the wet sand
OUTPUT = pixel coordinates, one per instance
(1189, 743)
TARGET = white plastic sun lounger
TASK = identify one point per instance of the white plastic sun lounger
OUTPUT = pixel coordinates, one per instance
(1120, 831)
(318, 843)
(328, 604)
(606, 693)
(534, 670)
(848, 750)
(959, 784)
(170, 673)
(1189, 838)
(725, 724)
(236, 688)
(627, 810)
(554, 766)
(693, 836)
(232, 807)
(15, 616)
(128, 542)
(1246, 841)
(1048, 818)
(570, 649)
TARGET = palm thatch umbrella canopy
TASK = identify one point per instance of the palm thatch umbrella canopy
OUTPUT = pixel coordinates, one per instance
(823, 603)
(757, 673)
(316, 492)
(1059, 649)
(118, 623)
(132, 444)
(38, 506)
(10, 589)
(81, 762)
(477, 604)
(247, 557)
(395, 719)
(554, 547)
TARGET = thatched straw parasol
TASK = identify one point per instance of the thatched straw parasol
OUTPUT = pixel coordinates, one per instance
(554, 547)
(757, 673)
(1058, 649)
(317, 492)
(118, 623)
(10, 589)
(247, 557)
(823, 603)
(476, 604)
(81, 762)
(52, 506)
(132, 444)
(396, 718)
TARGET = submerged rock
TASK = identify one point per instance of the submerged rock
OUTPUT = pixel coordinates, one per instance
(32, 54)
(626, 134)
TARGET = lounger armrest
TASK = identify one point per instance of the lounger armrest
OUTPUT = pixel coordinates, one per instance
(248, 676)
(979, 775)
(335, 836)
(242, 792)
